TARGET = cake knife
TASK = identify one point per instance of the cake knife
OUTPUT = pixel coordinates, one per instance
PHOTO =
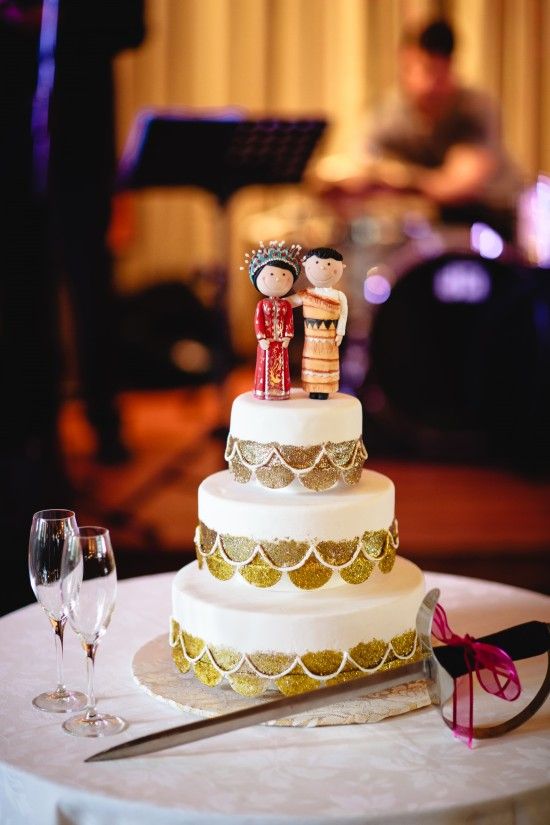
(438, 668)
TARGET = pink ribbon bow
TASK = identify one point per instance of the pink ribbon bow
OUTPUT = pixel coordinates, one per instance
(494, 668)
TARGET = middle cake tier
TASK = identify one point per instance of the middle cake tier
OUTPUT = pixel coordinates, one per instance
(289, 539)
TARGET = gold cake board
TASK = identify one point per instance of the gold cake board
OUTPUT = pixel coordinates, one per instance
(154, 671)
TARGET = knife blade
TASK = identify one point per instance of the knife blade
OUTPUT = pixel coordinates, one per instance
(267, 712)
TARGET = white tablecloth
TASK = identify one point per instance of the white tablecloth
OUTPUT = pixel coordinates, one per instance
(405, 769)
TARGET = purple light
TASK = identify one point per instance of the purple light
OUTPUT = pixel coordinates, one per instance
(486, 241)
(533, 222)
(356, 364)
(430, 246)
(543, 217)
(462, 282)
(377, 289)
(416, 226)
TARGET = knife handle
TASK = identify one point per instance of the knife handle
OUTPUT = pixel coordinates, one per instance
(520, 642)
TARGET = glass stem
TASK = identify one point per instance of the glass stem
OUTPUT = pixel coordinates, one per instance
(91, 712)
(59, 627)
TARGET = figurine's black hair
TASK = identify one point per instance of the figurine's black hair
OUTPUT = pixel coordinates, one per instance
(324, 252)
(435, 38)
(280, 265)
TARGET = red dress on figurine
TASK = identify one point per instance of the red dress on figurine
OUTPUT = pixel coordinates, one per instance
(273, 320)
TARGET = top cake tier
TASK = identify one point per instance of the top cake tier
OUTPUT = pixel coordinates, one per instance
(317, 443)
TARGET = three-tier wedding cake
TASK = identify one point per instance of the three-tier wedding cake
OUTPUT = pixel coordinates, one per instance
(297, 583)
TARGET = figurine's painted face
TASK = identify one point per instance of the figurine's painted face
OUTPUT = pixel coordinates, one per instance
(274, 281)
(323, 271)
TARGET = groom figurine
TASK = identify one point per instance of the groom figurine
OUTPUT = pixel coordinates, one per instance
(325, 312)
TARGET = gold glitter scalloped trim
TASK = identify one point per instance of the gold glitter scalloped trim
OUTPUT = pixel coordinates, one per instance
(251, 674)
(276, 465)
(308, 566)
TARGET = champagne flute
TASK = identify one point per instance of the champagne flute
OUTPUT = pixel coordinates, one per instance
(48, 532)
(88, 584)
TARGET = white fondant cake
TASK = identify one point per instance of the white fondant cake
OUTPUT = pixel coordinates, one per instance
(297, 584)
(299, 421)
(300, 442)
(257, 641)
(341, 513)
(292, 539)
(249, 620)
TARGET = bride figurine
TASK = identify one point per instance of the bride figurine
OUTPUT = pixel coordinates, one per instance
(325, 312)
(273, 270)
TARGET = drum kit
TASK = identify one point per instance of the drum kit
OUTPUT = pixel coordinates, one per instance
(448, 342)
(457, 333)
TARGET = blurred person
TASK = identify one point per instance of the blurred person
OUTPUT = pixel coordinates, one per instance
(434, 136)
(48, 232)
(31, 469)
(82, 173)
(67, 214)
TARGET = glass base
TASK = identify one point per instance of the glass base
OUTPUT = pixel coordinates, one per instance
(60, 701)
(102, 724)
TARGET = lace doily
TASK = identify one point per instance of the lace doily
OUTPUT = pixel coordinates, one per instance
(155, 672)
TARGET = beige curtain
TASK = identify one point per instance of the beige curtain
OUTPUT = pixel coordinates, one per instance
(332, 57)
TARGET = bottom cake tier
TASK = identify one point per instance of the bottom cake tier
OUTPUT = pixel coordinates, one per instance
(258, 640)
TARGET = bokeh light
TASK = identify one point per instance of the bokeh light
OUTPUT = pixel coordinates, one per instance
(377, 288)
(462, 281)
(486, 241)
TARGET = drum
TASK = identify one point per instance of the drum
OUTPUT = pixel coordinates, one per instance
(459, 354)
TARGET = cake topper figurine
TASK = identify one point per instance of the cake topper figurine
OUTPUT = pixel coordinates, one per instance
(325, 312)
(273, 270)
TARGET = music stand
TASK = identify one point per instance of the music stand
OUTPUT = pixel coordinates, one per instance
(222, 152)
(219, 151)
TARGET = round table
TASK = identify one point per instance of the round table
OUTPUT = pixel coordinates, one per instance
(407, 768)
